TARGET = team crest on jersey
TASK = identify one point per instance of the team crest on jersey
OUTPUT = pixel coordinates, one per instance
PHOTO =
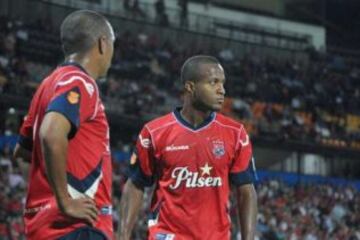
(218, 148)
(73, 97)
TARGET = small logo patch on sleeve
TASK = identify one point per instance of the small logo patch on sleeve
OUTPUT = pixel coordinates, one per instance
(73, 97)
(133, 159)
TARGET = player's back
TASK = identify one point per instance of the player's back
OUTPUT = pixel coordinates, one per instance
(71, 92)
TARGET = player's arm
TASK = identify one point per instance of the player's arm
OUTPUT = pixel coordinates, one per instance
(247, 209)
(54, 132)
(130, 205)
(243, 176)
(140, 173)
(53, 137)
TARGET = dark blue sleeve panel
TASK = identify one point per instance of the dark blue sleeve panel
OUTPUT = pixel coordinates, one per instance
(25, 142)
(68, 104)
(245, 177)
(137, 176)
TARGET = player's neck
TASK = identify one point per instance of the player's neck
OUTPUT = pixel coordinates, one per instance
(84, 62)
(193, 116)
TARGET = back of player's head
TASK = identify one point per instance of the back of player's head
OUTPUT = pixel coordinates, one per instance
(191, 69)
(81, 29)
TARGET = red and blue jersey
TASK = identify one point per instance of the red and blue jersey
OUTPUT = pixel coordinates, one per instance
(193, 169)
(70, 91)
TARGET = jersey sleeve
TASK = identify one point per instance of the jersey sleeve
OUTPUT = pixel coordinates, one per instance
(25, 139)
(26, 131)
(141, 167)
(243, 168)
(74, 98)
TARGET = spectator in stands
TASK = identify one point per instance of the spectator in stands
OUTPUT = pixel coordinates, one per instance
(184, 22)
(136, 11)
(161, 15)
(159, 9)
(3, 80)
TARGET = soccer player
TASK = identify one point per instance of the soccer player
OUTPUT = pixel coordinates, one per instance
(192, 154)
(67, 134)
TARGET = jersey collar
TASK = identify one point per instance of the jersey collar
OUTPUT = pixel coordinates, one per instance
(75, 64)
(186, 124)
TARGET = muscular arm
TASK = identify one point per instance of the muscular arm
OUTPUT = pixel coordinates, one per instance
(54, 143)
(54, 132)
(131, 203)
(247, 207)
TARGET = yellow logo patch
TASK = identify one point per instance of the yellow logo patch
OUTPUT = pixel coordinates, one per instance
(73, 97)
(133, 159)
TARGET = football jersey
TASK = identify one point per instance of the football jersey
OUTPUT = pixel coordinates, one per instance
(193, 169)
(70, 91)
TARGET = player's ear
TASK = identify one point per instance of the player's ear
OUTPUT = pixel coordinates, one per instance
(101, 45)
(189, 86)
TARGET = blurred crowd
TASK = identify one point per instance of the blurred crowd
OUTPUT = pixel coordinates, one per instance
(12, 198)
(314, 100)
(309, 212)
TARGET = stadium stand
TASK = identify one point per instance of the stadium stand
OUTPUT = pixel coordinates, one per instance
(311, 102)
(285, 99)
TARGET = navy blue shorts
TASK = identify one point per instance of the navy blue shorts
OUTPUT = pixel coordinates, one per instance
(84, 233)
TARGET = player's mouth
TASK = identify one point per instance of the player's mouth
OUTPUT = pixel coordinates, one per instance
(220, 100)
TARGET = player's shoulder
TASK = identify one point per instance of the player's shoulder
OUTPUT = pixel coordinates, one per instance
(226, 121)
(160, 122)
(71, 75)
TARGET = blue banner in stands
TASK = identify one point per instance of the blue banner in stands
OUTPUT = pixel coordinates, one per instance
(9, 141)
(294, 178)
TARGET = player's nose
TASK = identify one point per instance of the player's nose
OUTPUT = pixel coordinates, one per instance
(221, 89)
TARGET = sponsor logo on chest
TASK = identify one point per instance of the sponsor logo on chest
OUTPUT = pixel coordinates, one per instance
(182, 175)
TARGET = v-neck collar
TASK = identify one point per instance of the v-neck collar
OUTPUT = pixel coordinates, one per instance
(207, 121)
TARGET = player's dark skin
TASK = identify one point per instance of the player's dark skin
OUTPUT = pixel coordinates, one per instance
(201, 97)
(55, 128)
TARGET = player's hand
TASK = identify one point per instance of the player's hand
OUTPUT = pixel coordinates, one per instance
(123, 237)
(81, 208)
(123, 234)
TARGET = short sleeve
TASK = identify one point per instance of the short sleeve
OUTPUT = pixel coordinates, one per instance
(25, 139)
(141, 168)
(26, 131)
(75, 98)
(243, 168)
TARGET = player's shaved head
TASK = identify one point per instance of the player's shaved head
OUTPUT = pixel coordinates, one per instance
(191, 69)
(81, 29)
